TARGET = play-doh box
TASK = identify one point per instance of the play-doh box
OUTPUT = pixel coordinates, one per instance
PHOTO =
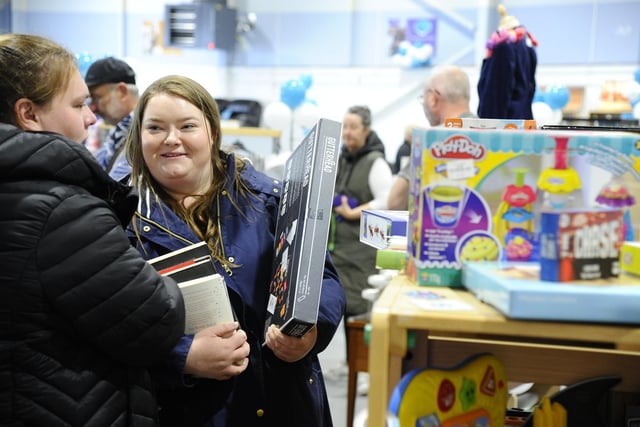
(476, 193)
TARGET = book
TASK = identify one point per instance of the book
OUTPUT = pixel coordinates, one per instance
(206, 303)
(204, 291)
(302, 230)
(186, 254)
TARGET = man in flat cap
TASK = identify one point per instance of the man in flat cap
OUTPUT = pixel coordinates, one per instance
(114, 95)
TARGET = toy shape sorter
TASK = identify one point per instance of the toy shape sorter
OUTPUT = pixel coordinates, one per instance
(458, 183)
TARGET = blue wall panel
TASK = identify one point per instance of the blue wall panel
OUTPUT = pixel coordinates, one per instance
(618, 33)
(596, 32)
(563, 31)
(5, 17)
(96, 33)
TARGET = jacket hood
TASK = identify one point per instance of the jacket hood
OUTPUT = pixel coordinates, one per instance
(49, 156)
(372, 143)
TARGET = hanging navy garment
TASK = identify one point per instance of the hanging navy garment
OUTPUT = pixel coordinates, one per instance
(507, 78)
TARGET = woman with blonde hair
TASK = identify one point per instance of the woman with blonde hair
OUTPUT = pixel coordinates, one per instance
(192, 191)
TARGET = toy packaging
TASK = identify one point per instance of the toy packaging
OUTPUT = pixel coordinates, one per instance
(474, 123)
(515, 289)
(473, 393)
(384, 229)
(581, 244)
(302, 230)
(630, 258)
(478, 194)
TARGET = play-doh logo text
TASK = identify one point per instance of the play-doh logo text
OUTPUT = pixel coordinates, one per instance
(457, 147)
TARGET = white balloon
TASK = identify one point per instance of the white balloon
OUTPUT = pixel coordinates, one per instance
(633, 93)
(277, 115)
(556, 116)
(542, 113)
(306, 115)
(423, 53)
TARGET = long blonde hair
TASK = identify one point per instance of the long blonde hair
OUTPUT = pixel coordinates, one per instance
(199, 215)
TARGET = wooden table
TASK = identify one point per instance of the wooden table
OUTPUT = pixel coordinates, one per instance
(358, 359)
(531, 351)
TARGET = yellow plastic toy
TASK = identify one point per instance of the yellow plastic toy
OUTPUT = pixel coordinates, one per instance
(473, 393)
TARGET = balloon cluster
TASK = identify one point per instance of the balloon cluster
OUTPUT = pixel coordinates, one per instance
(412, 55)
(293, 108)
(547, 106)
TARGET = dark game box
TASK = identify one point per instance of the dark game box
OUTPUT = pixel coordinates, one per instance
(302, 230)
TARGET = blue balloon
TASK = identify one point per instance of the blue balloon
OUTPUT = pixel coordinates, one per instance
(292, 93)
(636, 75)
(557, 97)
(538, 96)
(85, 59)
(306, 80)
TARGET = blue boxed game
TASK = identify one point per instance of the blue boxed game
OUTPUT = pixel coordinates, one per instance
(516, 290)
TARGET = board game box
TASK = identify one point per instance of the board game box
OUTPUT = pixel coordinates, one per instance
(515, 289)
(581, 244)
(302, 230)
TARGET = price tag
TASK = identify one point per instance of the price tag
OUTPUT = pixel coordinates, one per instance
(460, 169)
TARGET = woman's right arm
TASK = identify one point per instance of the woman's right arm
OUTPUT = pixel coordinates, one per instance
(110, 295)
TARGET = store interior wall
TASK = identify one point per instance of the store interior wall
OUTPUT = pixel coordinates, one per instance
(344, 44)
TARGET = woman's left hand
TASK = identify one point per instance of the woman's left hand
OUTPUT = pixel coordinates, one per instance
(288, 348)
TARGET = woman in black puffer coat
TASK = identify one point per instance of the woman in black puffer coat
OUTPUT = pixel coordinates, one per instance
(82, 315)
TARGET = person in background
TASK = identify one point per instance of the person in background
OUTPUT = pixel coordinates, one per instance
(404, 151)
(363, 182)
(192, 191)
(445, 94)
(84, 316)
(114, 95)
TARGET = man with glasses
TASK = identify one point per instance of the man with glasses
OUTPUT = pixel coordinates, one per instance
(114, 95)
(444, 95)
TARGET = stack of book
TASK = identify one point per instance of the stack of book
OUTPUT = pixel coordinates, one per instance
(204, 291)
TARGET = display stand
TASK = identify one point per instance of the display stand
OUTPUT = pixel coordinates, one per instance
(242, 133)
(531, 351)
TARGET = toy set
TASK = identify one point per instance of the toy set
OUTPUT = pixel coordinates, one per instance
(474, 393)
(384, 229)
(515, 289)
(479, 195)
(580, 244)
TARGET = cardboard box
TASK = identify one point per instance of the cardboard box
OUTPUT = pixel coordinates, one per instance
(516, 290)
(384, 229)
(458, 178)
(302, 230)
(630, 258)
(477, 123)
(581, 244)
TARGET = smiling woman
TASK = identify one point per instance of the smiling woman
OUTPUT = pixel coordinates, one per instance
(193, 191)
(176, 146)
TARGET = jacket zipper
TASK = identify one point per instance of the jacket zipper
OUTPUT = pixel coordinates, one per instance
(225, 266)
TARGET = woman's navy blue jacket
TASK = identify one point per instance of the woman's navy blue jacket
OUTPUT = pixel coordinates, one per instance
(270, 392)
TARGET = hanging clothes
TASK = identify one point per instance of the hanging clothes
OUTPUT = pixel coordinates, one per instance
(507, 81)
